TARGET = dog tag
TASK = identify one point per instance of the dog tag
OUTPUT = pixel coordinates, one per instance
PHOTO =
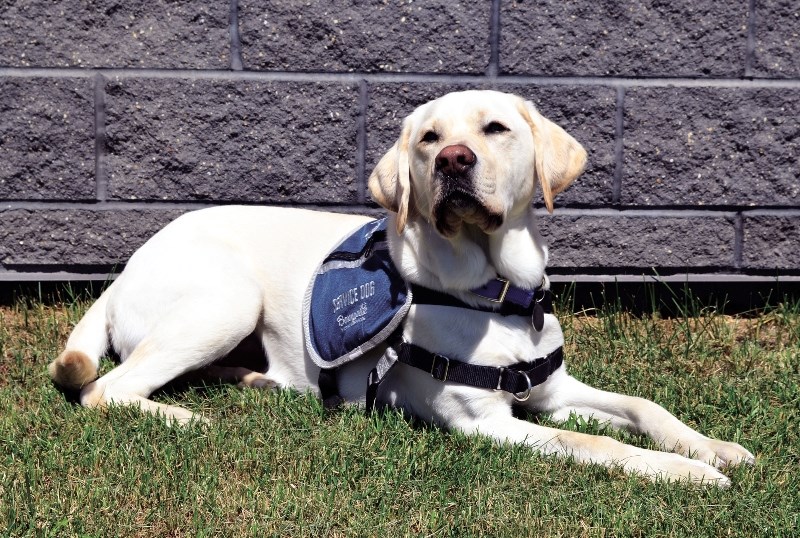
(537, 318)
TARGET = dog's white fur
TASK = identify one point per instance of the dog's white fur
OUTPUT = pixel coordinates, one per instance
(212, 277)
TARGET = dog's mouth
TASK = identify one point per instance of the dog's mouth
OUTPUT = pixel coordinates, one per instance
(457, 208)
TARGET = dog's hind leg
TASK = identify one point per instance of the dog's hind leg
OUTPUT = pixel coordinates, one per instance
(191, 335)
(77, 364)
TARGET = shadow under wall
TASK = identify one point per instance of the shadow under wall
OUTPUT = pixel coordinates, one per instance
(669, 299)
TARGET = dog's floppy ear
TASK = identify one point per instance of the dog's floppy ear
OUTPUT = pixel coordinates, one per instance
(390, 182)
(559, 158)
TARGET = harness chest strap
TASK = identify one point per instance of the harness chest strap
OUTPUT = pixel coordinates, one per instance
(517, 379)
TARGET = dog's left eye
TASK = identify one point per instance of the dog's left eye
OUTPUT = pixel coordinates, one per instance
(495, 127)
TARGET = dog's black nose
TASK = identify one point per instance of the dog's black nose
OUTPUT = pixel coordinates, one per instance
(455, 160)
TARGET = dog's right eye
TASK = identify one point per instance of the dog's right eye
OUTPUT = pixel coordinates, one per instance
(430, 136)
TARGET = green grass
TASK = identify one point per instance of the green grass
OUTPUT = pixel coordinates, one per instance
(277, 464)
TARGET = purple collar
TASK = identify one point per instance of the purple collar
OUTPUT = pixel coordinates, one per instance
(507, 299)
(501, 290)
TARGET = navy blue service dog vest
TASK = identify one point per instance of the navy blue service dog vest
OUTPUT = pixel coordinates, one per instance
(355, 300)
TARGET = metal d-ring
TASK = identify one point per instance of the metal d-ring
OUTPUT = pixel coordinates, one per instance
(527, 391)
(540, 299)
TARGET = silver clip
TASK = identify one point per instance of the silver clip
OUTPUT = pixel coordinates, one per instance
(527, 392)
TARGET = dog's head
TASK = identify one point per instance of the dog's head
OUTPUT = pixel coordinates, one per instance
(474, 158)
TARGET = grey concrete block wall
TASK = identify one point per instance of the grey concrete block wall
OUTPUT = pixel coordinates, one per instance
(366, 36)
(711, 146)
(115, 117)
(44, 238)
(231, 140)
(113, 33)
(626, 38)
(777, 42)
(47, 139)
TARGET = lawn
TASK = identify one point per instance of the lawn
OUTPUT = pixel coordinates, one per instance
(277, 464)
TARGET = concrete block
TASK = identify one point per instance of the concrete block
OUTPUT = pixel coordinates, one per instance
(422, 36)
(178, 139)
(43, 238)
(47, 149)
(771, 242)
(180, 34)
(777, 39)
(614, 243)
(637, 38)
(711, 146)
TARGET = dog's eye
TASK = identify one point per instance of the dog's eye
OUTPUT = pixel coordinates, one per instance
(430, 136)
(495, 127)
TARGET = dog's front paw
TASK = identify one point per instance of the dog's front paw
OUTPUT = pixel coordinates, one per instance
(677, 468)
(722, 454)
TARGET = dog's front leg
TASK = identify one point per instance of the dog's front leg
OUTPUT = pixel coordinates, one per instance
(502, 426)
(644, 417)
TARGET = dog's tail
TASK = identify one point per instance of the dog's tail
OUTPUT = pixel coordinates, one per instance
(78, 363)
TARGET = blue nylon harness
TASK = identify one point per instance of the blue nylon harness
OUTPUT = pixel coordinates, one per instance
(358, 299)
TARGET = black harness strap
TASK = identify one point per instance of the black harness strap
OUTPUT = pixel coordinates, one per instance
(329, 389)
(516, 379)
(365, 252)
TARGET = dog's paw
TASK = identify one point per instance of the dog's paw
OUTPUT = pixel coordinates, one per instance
(257, 380)
(187, 421)
(676, 468)
(722, 454)
(73, 369)
(696, 472)
(176, 416)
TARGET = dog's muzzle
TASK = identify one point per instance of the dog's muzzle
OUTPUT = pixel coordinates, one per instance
(457, 201)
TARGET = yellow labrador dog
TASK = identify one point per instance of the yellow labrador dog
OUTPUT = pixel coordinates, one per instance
(458, 184)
